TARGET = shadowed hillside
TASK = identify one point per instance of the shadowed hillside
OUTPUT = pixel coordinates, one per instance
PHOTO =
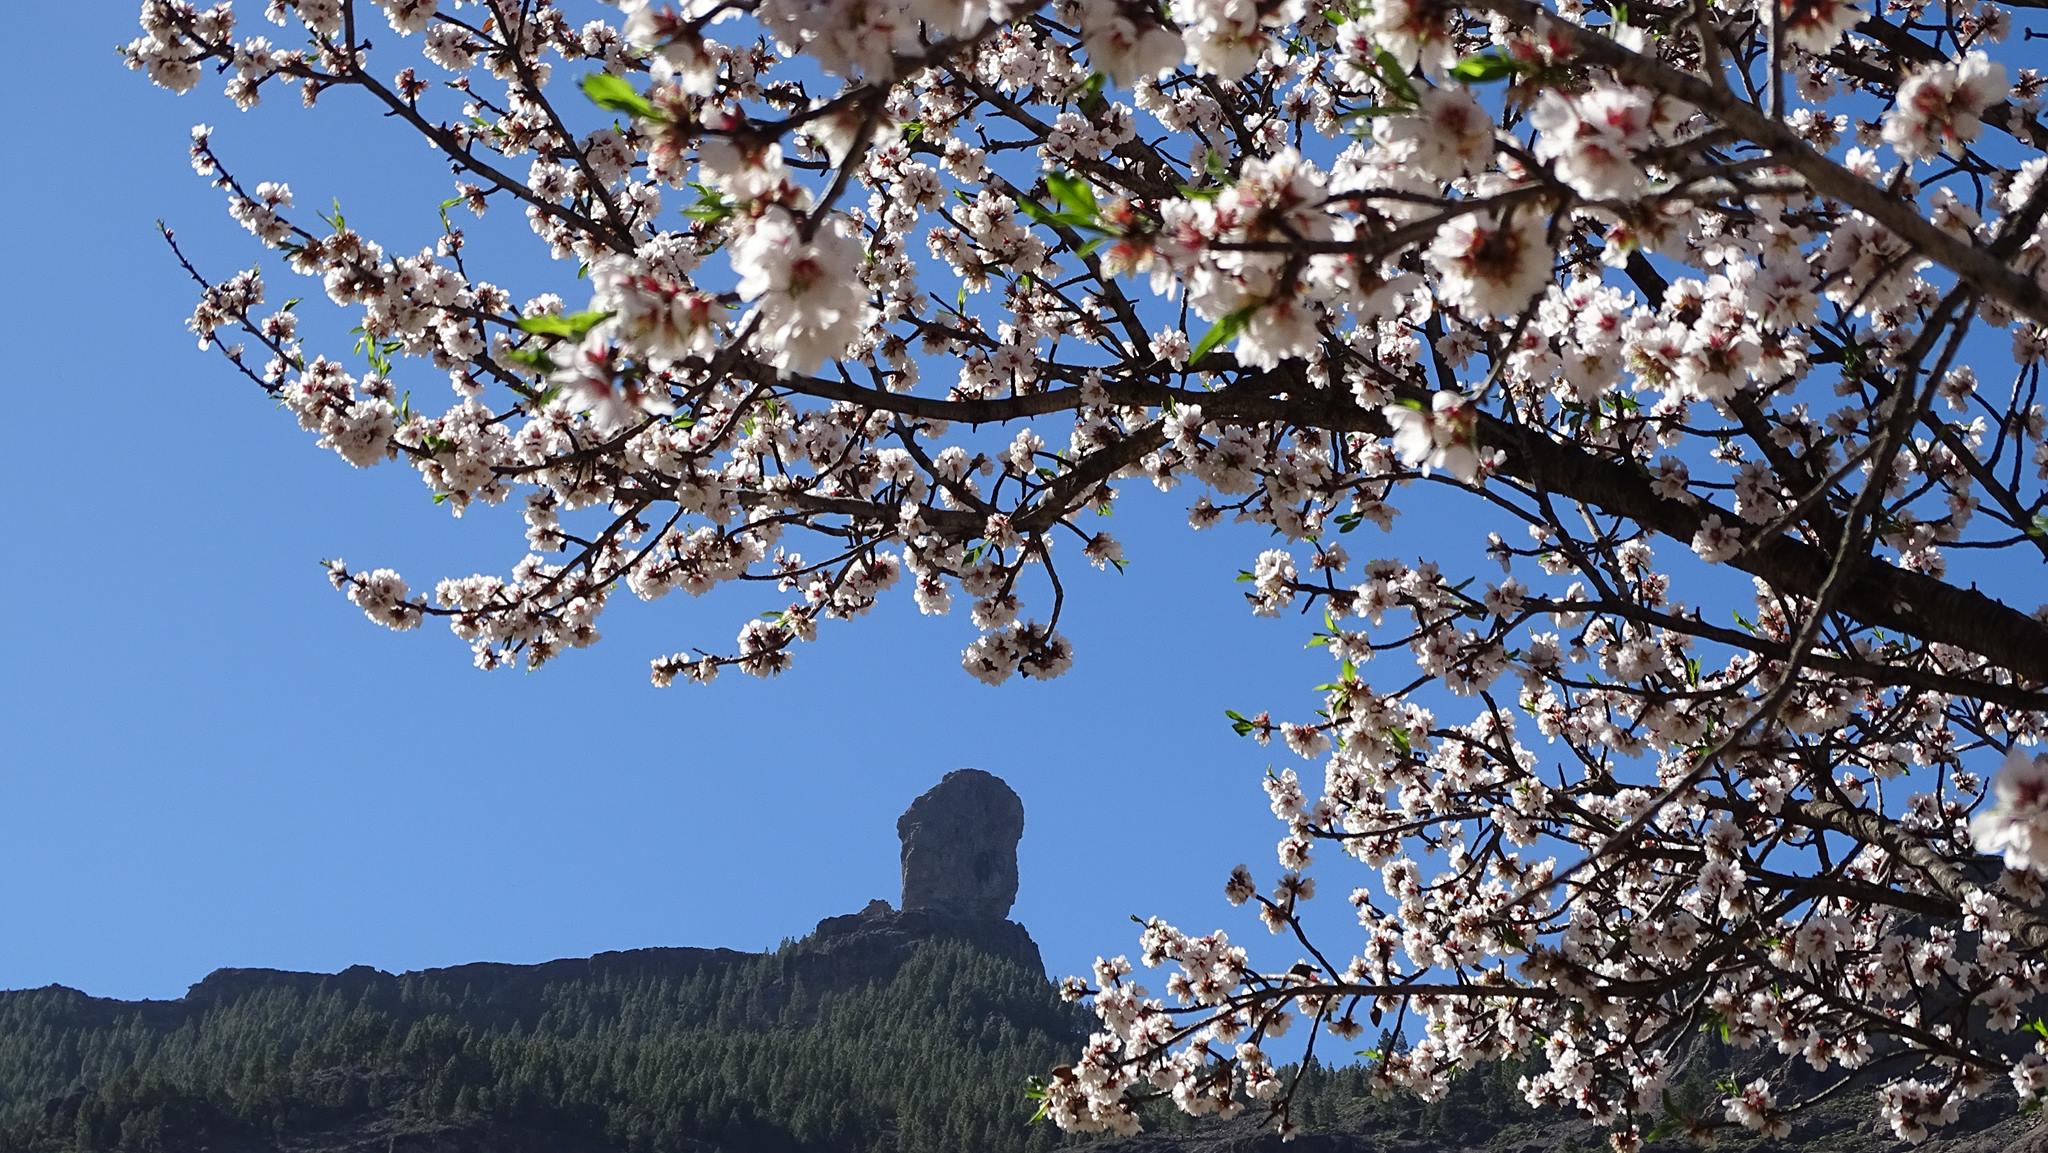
(656, 1049)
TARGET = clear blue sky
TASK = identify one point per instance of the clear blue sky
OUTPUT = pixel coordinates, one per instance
(211, 759)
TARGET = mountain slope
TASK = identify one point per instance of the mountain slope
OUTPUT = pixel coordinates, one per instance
(872, 1035)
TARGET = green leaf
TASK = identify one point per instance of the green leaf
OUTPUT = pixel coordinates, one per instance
(1396, 79)
(913, 130)
(1044, 215)
(711, 206)
(2040, 525)
(614, 94)
(530, 358)
(1073, 193)
(574, 326)
(1335, 17)
(1226, 329)
(1484, 68)
(1090, 91)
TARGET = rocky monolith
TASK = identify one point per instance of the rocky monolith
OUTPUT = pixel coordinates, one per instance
(960, 846)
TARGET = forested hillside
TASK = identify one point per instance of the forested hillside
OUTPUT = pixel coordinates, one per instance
(920, 1047)
(658, 1050)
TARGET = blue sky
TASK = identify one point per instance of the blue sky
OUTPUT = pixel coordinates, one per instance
(213, 760)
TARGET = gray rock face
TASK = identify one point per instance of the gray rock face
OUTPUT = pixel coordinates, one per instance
(960, 846)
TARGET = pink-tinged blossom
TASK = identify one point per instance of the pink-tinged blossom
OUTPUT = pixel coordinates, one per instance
(673, 32)
(1815, 25)
(1593, 137)
(1915, 1108)
(1225, 38)
(862, 39)
(1416, 32)
(807, 295)
(1491, 265)
(1450, 133)
(1755, 1108)
(1273, 579)
(2016, 823)
(1715, 541)
(1445, 437)
(1938, 107)
(653, 313)
(407, 17)
(357, 425)
(451, 46)
(595, 378)
(1126, 43)
(381, 594)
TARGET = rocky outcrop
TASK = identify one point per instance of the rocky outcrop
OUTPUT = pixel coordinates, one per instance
(960, 847)
(959, 881)
(871, 944)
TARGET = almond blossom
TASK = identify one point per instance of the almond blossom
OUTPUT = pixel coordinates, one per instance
(1939, 106)
(807, 297)
(1443, 437)
(1492, 265)
(2016, 823)
(1594, 138)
